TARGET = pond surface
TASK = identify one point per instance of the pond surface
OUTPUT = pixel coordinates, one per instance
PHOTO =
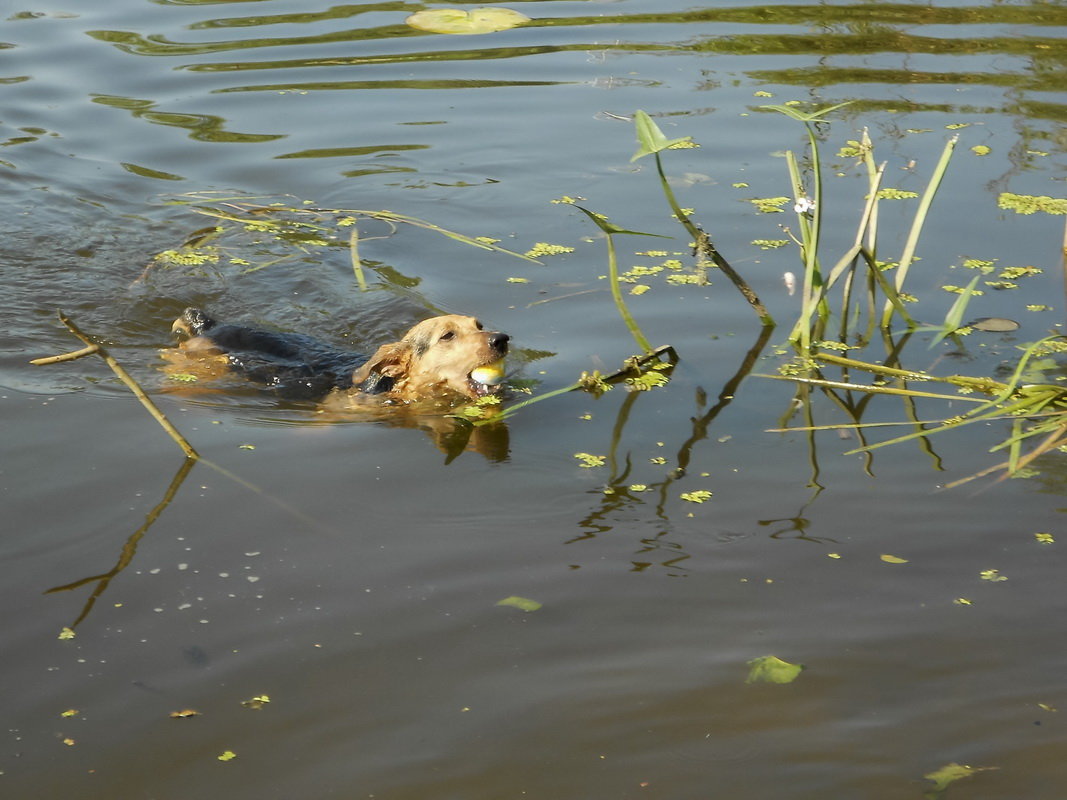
(352, 573)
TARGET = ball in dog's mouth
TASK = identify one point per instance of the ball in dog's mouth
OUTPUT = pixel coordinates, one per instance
(487, 379)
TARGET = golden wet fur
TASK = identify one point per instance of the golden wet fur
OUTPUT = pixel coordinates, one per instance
(433, 360)
(437, 354)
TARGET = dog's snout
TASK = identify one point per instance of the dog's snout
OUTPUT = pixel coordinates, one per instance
(499, 341)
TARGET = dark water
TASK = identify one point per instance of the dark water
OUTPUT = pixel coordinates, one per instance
(351, 572)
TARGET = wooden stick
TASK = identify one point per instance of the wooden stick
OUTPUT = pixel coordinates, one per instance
(124, 376)
(85, 351)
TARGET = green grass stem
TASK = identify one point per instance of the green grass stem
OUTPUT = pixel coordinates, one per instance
(908, 254)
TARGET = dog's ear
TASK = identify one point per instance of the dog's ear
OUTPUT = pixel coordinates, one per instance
(390, 362)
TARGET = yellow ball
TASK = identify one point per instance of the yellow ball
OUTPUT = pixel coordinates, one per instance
(490, 374)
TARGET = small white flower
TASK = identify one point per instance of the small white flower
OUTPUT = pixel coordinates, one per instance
(790, 281)
(804, 205)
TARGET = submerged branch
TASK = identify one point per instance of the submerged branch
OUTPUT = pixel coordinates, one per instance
(93, 347)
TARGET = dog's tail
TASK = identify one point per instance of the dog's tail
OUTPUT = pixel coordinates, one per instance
(192, 322)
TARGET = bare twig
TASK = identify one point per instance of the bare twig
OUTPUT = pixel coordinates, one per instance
(124, 376)
(85, 351)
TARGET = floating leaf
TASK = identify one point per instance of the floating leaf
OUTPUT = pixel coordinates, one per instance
(589, 461)
(771, 669)
(1029, 204)
(227, 755)
(523, 603)
(546, 249)
(896, 194)
(992, 575)
(647, 381)
(1011, 273)
(1044, 538)
(949, 774)
(699, 496)
(994, 325)
(256, 702)
(185, 713)
(458, 21)
(66, 633)
(769, 205)
(893, 559)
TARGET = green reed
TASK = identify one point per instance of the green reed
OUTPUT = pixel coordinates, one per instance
(861, 259)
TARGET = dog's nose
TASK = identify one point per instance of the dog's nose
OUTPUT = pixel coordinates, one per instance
(499, 341)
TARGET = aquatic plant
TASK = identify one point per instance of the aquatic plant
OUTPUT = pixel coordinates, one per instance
(299, 226)
(652, 141)
(459, 21)
(872, 300)
(1036, 411)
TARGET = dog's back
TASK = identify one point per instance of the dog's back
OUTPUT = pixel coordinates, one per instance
(293, 365)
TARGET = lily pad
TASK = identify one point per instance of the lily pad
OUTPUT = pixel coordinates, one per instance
(771, 669)
(456, 20)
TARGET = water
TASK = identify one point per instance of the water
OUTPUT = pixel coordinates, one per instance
(351, 572)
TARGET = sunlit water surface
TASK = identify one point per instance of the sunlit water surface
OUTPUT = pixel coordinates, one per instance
(352, 572)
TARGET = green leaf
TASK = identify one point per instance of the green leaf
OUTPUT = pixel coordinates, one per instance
(608, 226)
(954, 317)
(699, 496)
(1029, 204)
(523, 603)
(256, 702)
(771, 669)
(458, 21)
(800, 116)
(949, 774)
(651, 138)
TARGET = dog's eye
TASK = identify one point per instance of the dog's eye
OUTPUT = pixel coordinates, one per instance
(446, 336)
(479, 326)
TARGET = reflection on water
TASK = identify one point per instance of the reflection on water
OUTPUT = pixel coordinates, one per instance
(352, 571)
(921, 35)
(129, 549)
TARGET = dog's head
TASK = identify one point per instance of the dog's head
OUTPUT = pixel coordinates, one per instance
(450, 352)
